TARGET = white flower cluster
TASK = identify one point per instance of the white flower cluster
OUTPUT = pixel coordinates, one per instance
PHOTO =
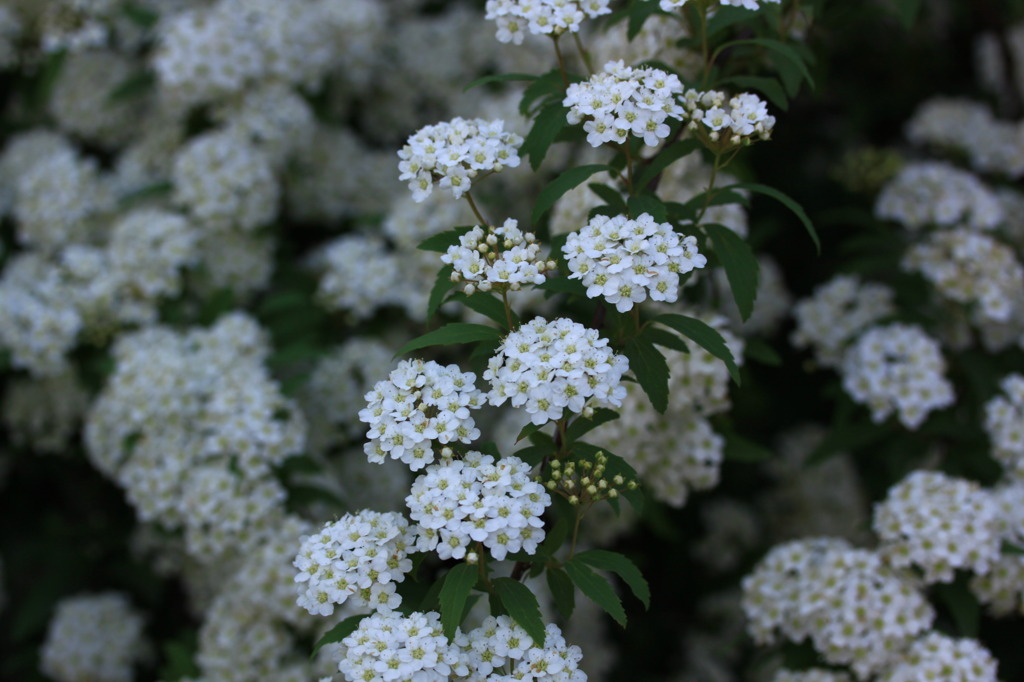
(836, 312)
(939, 657)
(497, 258)
(476, 499)
(500, 650)
(454, 153)
(992, 145)
(1004, 423)
(360, 557)
(897, 368)
(541, 17)
(1001, 589)
(390, 647)
(811, 675)
(728, 121)
(621, 260)
(545, 367)
(44, 414)
(940, 194)
(669, 5)
(93, 637)
(853, 608)
(939, 524)
(622, 100)
(420, 402)
(359, 275)
(970, 267)
(82, 103)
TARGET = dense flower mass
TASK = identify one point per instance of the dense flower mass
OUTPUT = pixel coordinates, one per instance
(939, 657)
(500, 650)
(725, 120)
(478, 499)
(897, 368)
(93, 637)
(624, 260)
(939, 524)
(497, 258)
(622, 101)
(541, 17)
(669, 5)
(390, 647)
(360, 557)
(419, 403)
(545, 367)
(454, 153)
(1004, 422)
(936, 193)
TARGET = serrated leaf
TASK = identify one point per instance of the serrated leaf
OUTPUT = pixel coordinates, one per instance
(622, 566)
(740, 263)
(649, 204)
(555, 538)
(452, 333)
(665, 158)
(528, 430)
(596, 588)
(962, 605)
(769, 87)
(132, 87)
(609, 195)
(441, 241)
(521, 605)
(739, 449)
(548, 85)
(547, 125)
(487, 305)
(562, 591)
(338, 632)
(562, 184)
(498, 78)
(650, 369)
(703, 335)
(533, 454)
(564, 285)
(458, 583)
(442, 285)
(781, 49)
(1012, 549)
(582, 425)
(663, 338)
(786, 201)
(726, 17)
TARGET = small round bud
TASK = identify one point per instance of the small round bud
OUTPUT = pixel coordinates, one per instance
(472, 558)
(470, 290)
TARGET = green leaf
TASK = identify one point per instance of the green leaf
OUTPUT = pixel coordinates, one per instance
(142, 17)
(582, 425)
(1011, 549)
(610, 195)
(703, 335)
(548, 85)
(562, 184)
(664, 338)
(562, 591)
(650, 369)
(726, 17)
(487, 305)
(132, 87)
(555, 538)
(339, 632)
(596, 588)
(638, 13)
(549, 122)
(564, 285)
(533, 454)
(781, 49)
(647, 203)
(521, 604)
(665, 158)
(157, 190)
(739, 449)
(458, 583)
(499, 78)
(962, 606)
(759, 351)
(769, 87)
(440, 242)
(179, 656)
(793, 206)
(906, 10)
(741, 267)
(528, 430)
(621, 566)
(442, 285)
(452, 333)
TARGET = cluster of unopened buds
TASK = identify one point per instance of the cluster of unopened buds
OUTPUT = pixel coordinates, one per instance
(724, 122)
(498, 258)
(584, 482)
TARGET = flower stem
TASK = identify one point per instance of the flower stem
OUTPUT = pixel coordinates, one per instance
(561, 63)
(476, 211)
(508, 310)
(583, 53)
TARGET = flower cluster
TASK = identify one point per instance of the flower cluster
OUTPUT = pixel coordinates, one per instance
(500, 649)
(811, 675)
(837, 312)
(939, 194)
(725, 121)
(898, 368)
(971, 268)
(940, 657)
(541, 17)
(854, 609)
(392, 647)
(545, 367)
(1001, 588)
(454, 153)
(497, 258)
(621, 260)
(584, 482)
(939, 524)
(476, 499)
(1004, 423)
(360, 556)
(93, 637)
(622, 100)
(420, 402)
(669, 5)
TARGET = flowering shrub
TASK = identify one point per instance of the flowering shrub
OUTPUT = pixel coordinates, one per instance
(497, 340)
